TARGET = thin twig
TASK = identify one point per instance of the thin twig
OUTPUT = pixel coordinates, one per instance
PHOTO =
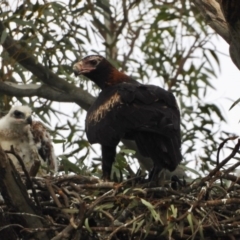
(29, 181)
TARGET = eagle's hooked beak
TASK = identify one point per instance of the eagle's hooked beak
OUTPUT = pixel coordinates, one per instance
(29, 120)
(77, 68)
(80, 68)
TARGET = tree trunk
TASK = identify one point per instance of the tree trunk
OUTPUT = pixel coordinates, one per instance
(223, 16)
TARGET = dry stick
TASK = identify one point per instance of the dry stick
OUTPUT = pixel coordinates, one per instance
(220, 147)
(76, 179)
(124, 229)
(34, 168)
(234, 180)
(103, 185)
(226, 176)
(193, 205)
(198, 226)
(52, 193)
(125, 225)
(66, 201)
(63, 233)
(71, 193)
(12, 151)
(232, 168)
(230, 220)
(10, 225)
(107, 214)
(63, 195)
(47, 229)
(220, 202)
(98, 200)
(92, 206)
(24, 214)
(215, 170)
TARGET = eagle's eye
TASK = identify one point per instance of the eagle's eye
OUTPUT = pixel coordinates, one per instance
(18, 114)
(93, 62)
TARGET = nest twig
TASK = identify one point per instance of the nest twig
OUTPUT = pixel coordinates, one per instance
(81, 207)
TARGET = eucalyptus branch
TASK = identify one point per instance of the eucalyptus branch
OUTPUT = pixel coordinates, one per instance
(30, 63)
(124, 20)
(100, 27)
(30, 90)
(211, 11)
(133, 41)
(44, 74)
(182, 63)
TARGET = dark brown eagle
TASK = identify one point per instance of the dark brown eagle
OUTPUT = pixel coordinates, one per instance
(127, 109)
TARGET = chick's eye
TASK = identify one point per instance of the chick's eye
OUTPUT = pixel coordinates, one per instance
(18, 114)
(93, 62)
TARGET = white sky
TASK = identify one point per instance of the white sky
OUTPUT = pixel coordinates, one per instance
(227, 89)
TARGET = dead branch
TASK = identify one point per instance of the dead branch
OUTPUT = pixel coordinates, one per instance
(16, 197)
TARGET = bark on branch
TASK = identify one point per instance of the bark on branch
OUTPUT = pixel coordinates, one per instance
(30, 90)
(223, 16)
(44, 74)
(16, 197)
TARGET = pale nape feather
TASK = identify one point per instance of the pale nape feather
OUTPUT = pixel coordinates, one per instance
(29, 139)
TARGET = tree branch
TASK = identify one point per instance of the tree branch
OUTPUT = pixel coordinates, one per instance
(211, 11)
(30, 90)
(223, 17)
(231, 9)
(82, 98)
(16, 197)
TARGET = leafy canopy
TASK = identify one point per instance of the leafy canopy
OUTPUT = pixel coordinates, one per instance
(162, 42)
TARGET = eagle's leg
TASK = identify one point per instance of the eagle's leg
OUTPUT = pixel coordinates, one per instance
(108, 157)
(153, 175)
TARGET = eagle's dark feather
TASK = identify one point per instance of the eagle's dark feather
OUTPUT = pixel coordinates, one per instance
(126, 109)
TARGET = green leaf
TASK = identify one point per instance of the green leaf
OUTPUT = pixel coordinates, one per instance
(190, 221)
(105, 206)
(70, 210)
(174, 211)
(150, 207)
(3, 36)
(86, 223)
(127, 151)
(56, 141)
(234, 104)
(69, 166)
(201, 231)
(139, 225)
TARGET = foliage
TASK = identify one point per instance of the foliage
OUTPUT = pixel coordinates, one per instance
(164, 42)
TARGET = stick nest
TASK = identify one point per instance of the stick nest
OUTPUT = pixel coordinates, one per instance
(82, 207)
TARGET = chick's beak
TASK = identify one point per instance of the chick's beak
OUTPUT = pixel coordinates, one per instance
(29, 120)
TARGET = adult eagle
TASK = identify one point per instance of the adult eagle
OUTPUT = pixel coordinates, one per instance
(127, 109)
(30, 139)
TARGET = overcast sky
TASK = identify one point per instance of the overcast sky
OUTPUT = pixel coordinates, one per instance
(227, 89)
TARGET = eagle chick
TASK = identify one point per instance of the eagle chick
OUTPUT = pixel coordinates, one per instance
(29, 138)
